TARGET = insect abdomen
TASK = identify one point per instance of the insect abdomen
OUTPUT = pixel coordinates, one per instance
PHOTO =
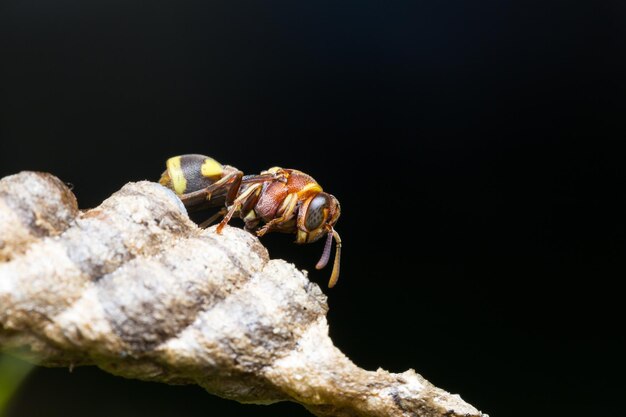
(192, 172)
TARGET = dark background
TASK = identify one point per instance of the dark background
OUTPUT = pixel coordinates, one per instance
(474, 147)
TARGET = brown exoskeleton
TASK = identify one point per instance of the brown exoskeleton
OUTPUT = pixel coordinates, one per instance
(276, 200)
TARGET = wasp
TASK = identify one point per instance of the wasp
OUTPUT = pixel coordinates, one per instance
(276, 200)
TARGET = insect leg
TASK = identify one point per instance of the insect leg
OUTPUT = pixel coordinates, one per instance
(238, 203)
(213, 218)
(213, 194)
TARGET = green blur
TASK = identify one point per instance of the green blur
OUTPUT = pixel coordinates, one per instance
(12, 373)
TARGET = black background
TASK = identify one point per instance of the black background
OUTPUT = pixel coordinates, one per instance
(474, 147)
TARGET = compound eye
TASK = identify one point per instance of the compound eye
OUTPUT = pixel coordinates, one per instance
(315, 214)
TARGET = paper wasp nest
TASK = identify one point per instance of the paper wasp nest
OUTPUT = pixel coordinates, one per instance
(137, 289)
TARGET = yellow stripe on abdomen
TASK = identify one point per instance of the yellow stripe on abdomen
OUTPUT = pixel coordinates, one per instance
(211, 168)
(179, 182)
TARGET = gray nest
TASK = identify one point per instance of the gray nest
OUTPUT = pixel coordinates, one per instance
(137, 289)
